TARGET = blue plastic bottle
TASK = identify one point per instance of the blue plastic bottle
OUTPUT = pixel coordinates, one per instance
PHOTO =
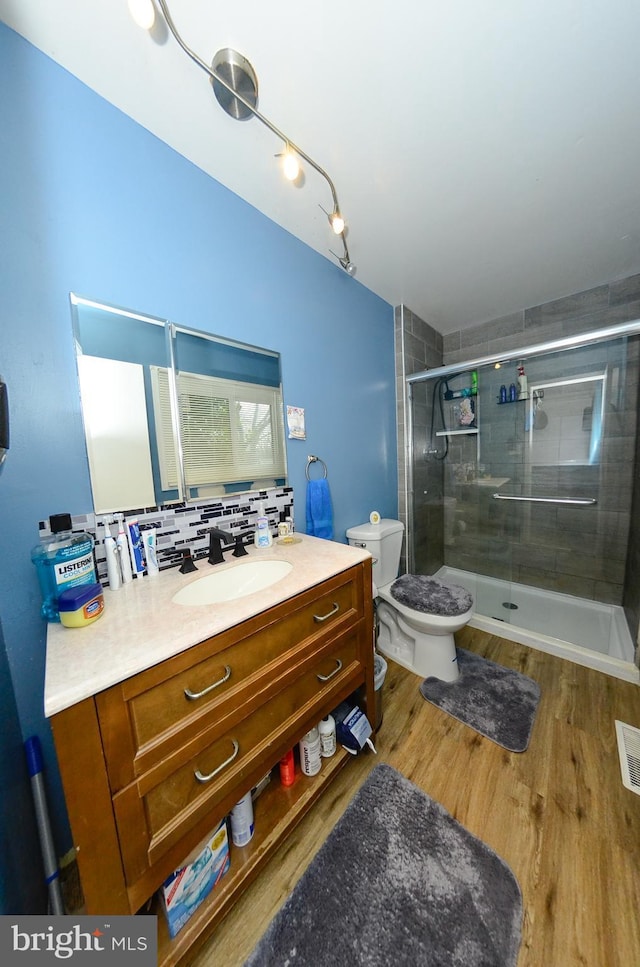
(63, 560)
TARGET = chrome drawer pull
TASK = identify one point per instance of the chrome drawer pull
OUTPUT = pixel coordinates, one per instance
(325, 678)
(323, 617)
(201, 778)
(193, 695)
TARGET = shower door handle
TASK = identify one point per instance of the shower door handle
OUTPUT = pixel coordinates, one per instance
(574, 501)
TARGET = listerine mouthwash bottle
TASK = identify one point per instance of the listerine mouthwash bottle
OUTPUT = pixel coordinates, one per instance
(63, 560)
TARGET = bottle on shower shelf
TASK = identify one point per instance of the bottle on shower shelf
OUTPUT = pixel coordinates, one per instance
(522, 383)
(458, 394)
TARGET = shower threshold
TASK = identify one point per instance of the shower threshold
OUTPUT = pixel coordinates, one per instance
(586, 632)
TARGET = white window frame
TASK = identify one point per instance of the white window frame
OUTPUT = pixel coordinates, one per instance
(247, 440)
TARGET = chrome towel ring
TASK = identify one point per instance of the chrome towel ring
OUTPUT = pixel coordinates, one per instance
(311, 459)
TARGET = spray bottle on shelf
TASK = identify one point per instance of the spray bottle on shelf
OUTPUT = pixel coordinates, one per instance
(522, 383)
(122, 545)
(111, 554)
(242, 825)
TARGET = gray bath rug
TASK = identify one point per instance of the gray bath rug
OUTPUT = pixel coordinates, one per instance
(497, 702)
(398, 881)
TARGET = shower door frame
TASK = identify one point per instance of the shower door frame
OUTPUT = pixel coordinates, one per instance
(631, 328)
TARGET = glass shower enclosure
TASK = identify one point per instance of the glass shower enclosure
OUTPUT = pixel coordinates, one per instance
(521, 473)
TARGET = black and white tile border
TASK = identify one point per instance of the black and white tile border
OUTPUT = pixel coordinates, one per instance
(181, 526)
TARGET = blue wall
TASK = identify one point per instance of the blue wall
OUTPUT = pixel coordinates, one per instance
(92, 203)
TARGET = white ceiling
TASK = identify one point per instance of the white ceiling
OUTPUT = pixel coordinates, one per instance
(485, 155)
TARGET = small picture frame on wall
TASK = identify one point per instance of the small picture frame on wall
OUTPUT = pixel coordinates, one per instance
(295, 423)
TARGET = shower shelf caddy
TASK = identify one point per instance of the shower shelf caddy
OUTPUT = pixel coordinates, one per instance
(462, 430)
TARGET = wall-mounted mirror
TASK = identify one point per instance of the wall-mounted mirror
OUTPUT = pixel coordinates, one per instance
(172, 414)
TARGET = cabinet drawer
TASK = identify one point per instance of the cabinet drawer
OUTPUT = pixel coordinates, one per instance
(151, 715)
(205, 778)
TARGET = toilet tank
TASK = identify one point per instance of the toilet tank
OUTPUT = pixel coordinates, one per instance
(384, 541)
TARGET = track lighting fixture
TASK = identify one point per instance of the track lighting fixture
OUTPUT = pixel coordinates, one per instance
(235, 86)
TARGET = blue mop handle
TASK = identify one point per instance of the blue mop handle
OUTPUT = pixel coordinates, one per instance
(35, 762)
(35, 765)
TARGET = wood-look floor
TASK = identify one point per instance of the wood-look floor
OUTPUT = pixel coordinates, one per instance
(558, 813)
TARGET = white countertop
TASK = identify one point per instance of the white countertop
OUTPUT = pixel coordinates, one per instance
(141, 626)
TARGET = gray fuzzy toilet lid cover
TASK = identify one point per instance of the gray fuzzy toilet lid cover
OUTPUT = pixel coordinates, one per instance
(430, 595)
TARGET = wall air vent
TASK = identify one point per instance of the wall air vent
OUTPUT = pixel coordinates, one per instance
(629, 752)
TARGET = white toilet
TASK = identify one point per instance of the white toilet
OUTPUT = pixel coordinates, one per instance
(417, 615)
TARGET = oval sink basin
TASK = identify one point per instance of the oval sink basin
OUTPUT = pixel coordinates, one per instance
(235, 582)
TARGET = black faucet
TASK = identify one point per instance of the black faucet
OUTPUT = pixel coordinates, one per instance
(188, 564)
(239, 550)
(216, 536)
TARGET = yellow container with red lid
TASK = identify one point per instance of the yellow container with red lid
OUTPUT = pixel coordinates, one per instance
(81, 605)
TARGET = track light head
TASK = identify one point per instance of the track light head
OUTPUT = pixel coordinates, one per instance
(335, 219)
(346, 263)
(337, 222)
(290, 164)
(143, 13)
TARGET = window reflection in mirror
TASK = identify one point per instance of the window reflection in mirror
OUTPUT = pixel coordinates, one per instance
(564, 421)
(174, 414)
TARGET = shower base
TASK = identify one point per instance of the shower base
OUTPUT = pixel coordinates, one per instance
(585, 632)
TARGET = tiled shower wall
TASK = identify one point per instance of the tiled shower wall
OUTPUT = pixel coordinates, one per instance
(586, 311)
(417, 346)
(185, 526)
(596, 308)
(579, 550)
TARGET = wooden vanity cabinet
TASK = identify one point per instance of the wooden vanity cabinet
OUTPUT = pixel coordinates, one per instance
(152, 764)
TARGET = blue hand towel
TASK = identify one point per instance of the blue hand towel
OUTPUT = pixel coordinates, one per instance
(319, 512)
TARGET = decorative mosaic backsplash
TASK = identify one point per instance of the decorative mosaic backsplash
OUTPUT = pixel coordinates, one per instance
(181, 526)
